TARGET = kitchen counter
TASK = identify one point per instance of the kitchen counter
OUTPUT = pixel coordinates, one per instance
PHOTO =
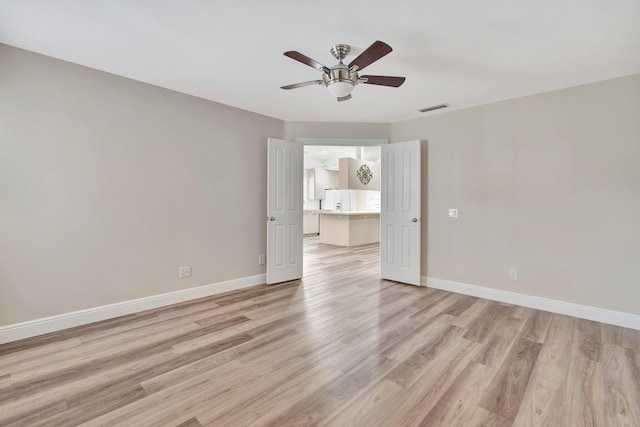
(349, 228)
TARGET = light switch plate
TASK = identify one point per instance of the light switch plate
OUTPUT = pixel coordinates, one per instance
(453, 213)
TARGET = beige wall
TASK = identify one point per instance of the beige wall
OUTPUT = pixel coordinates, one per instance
(293, 130)
(108, 185)
(549, 184)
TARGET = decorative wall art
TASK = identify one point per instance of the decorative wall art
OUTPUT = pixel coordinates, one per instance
(364, 174)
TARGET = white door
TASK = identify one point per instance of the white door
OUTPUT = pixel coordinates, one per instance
(400, 213)
(284, 210)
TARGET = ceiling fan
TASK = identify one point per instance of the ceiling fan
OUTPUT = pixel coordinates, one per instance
(341, 79)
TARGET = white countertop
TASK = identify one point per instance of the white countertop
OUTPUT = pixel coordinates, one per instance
(349, 213)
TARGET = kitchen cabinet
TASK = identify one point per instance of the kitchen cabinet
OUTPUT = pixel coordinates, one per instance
(318, 180)
(310, 222)
(333, 180)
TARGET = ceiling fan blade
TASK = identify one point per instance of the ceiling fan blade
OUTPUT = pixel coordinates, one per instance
(297, 85)
(344, 98)
(306, 60)
(384, 80)
(374, 52)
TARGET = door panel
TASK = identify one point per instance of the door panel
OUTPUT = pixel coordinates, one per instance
(284, 210)
(400, 212)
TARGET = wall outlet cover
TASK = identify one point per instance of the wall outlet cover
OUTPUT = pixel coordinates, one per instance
(453, 213)
(184, 272)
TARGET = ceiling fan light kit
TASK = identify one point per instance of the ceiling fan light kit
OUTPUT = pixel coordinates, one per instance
(341, 78)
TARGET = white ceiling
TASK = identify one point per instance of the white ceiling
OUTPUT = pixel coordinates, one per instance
(461, 52)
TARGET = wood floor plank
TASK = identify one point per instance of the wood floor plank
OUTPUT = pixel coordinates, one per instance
(505, 394)
(22, 418)
(431, 383)
(623, 386)
(437, 346)
(191, 422)
(10, 361)
(588, 339)
(558, 344)
(371, 408)
(55, 337)
(584, 393)
(631, 340)
(539, 403)
(331, 398)
(5, 382)
(484, 418)
(537, 326)
(457, 405)
(497, 345)
(217, 395)
(33, 374)
(128, 388)
(340, 347)
(467, 318)
(494, 313)
(84, 385)
(271, 403)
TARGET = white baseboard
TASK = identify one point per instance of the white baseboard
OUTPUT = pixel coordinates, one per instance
(45, 325)
(603, 315)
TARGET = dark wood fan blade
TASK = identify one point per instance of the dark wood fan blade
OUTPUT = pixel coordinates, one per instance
(306, 60)
(384, 80)
(344, 98)
(297, 85)
(374, 52)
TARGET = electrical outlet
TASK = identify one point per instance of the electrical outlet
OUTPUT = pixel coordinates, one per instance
(262, 259)
(453, 213)
(184, 272)
(513, 274)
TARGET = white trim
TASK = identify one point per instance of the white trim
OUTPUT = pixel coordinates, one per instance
(45, 325)
(603, 315)
(343, 141)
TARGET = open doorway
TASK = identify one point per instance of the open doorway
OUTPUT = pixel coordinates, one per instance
(341, 195)
(341, 201)
(399, 218)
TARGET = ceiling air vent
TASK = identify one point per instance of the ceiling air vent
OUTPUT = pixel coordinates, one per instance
(434, 107)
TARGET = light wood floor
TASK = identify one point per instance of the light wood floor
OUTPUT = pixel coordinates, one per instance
(340, 348)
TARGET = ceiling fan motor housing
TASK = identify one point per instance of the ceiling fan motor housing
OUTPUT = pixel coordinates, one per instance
(340, 73)
(340, 80)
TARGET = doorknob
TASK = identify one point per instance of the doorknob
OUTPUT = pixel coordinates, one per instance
(273, 218)
(414, 220)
